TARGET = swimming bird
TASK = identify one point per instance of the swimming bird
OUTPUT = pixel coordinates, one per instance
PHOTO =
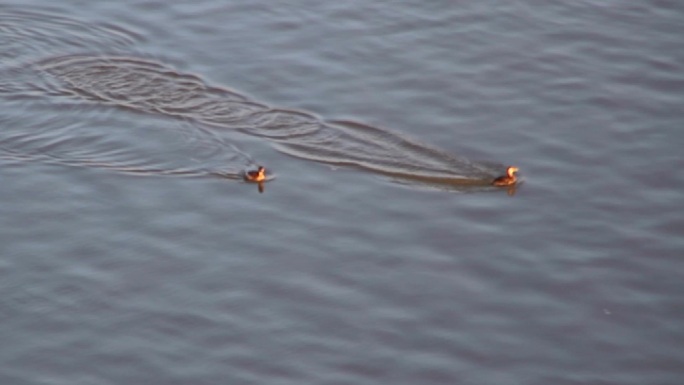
(508, 179)
(256, 176)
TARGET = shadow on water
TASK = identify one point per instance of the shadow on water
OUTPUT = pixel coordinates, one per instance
(151, 87)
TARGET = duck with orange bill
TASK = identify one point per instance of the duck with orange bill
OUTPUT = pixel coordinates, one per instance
(258, 175)
(508, 179)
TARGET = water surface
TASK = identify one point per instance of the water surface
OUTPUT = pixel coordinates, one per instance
(132, 252)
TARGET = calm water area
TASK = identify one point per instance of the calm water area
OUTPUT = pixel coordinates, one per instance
(132, 252)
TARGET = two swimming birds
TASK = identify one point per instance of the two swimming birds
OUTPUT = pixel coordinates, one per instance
(259, 175)
(505, 180)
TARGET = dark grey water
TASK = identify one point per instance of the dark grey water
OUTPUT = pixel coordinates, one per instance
(132, 252)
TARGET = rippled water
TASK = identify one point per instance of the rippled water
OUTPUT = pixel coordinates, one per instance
(378, 253)
(154, 88)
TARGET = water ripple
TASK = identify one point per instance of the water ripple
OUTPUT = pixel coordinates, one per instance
(59, 70)
(152, 87)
